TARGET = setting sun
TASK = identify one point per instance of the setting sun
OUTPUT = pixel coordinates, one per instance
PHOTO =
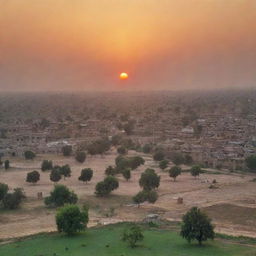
(123, 76)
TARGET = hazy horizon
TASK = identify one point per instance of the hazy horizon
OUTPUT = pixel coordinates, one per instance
(83, 45)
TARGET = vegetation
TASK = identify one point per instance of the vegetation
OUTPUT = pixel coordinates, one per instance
(106, 241)
(46, 165)
(126, 173)
(178, 159)
(70, 219)
(121, 150)
(65, 171)
(12, 201)
(33, 177)
(251, 162)
(80, 156)
(163, 164)
(196, 226)
(149, 180)
(110, 170)
(104, 187)
(3, 190)
(6, 164)
(60, 195)
(146, 149)
(99, 146)
(132, 235)
(86, 175)
(142, 196)
(29, 155)
(195, 170)
(174, 172)
(55, 175)
(158, 156)
(67, 150)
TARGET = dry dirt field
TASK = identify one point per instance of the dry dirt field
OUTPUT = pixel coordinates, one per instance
(232, 206)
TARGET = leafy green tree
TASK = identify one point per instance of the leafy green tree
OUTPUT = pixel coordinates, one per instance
(178, 159)
(33, 177)
(104, 187)
(174, 172)
(196, 226)
(149, 180)
(12, 200)
(111, 182)
(99, 146)
(67, 150)
(163, 164)
(3, 190)
(80, 156)
(121, 150)
(86, 175)
(133, 235)
(55, 175)
(122, 163)
(158, 156)
(61, 195)
(126, 173)
(46, 165)
(70, 219)
(29, 155)
(110, 170)
(195, 170)
(65, 170)
(140, 198)
(135, 162)
(6, 164)
(251, 162)
(152, 196)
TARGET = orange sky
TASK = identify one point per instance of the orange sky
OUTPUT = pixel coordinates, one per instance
(162, 44)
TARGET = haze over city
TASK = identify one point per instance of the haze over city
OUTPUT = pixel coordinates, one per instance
(65, 45)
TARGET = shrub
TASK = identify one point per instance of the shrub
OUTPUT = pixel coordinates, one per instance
(195, 170)
(3, 190)
(29, 155)
(55, 175)
(104, 187)
(70, 219)
(158, 156)
(86, 175)
(152, 196)
(110, 170)
(12, 200)
(163, 164)
(126, 173)
(6, 164)
(251, 162)
(122, 150)
(33, 177)
(132, 235)
(61, 195)
(174, 172)
(46, 165)
(80, 156)
(140, 197)
(65, 171)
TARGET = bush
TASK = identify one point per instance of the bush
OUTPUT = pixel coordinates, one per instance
(163, 164)
(80, 156)
(70, 219)
(12, 200)
(86, 175)
(158, 156)
(178, 159)
(146, 149)
(122, 150)
(67, 150)
(251, 162)
(104, 187)
(140, 197)
(46, 165)
(110, 170)
(132, 235)
(55, 175)
(195, 170)
(33, 177)
(3, 190)
(65, 171)
(196, 226)
(152, 196)
(61, 195)
(6, 164)
(29, 155)
(126, 174)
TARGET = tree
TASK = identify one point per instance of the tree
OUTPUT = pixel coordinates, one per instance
(6, 164)
(33, 177)
(158, 156)
(110, 170)
(55, 175)
(121, 150)
(196, 226)
(132, 235)
(70, 219)
(188, 160)
(67, 150)
(103, 188)
(152, 196)
(178, 159)
(195, 170)
(140, 197)
(149, 180)
(99, 146)
(163, 164)
(29, 155)
(122, 163)
(174, 172)
(251, 162)
(126, 173)
(3, 190)
(86, 175)
(80, 156)
(46, 165)
(12, 200)
(135, 162)
(60, 195)
(65, 171)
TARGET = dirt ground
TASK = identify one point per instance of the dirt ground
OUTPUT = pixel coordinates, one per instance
(232, 205)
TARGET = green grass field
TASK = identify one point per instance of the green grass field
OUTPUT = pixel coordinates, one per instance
(106, 241)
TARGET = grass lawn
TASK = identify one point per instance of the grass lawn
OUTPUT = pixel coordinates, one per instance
(106, 241)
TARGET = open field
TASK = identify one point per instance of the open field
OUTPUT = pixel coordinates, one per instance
(232, 206)
(106, 241)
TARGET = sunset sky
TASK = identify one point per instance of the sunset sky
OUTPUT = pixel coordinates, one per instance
(162, 44)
